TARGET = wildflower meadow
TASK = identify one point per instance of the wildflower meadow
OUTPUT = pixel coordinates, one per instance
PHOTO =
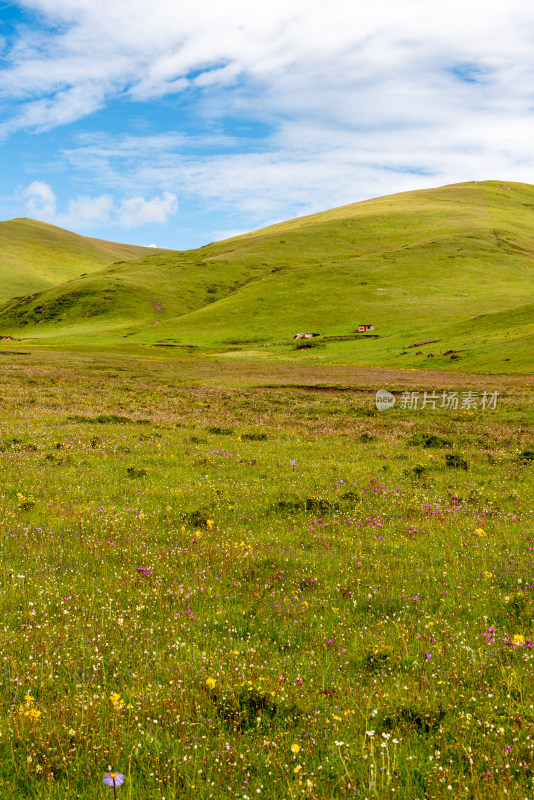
(220, 581)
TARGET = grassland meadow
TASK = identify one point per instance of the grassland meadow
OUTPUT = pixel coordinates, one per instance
(237, 581)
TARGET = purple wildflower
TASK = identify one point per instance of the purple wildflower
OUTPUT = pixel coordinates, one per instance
(144, 572)
(113, 779)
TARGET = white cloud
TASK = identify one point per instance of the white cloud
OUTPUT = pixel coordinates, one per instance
(40, 200)
(85, 211)
(50, 112)
(136, 211)
(90, 209)
(302, 55)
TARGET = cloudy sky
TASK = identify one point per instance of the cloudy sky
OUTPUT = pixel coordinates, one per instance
(173, 123)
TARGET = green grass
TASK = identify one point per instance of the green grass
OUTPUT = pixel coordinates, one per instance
(286, 593)
(36, 256)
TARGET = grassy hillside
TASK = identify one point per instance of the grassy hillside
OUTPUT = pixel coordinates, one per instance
(35, 256)
(453, 264)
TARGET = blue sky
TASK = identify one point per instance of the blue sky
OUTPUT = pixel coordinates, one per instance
(177, 124)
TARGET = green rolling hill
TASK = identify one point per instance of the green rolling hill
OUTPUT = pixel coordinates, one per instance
(453, 264)
(36, 256)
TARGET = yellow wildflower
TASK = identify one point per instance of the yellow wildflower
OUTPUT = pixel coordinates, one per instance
(295, 748)
(518, 640)
(211, 683)
(28, 708)
(117, 701)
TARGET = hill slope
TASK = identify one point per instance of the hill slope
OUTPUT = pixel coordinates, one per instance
(454, 264)
(35, 256)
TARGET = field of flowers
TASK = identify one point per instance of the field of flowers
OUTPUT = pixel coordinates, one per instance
(220, 589)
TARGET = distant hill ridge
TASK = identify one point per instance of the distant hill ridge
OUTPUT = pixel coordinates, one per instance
(451, 266)
(36, 255)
